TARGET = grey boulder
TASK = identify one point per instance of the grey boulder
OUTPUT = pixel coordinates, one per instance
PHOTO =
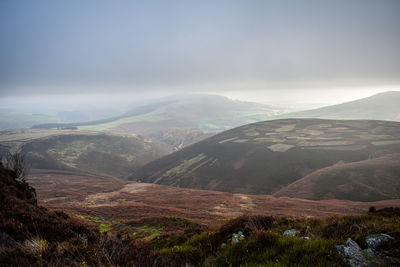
(375, 241)
(352, 253)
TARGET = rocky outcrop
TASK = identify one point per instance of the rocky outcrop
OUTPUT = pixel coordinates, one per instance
(357, 257)
(376, 241)
(236, 237)
(352, 253)
(290, 232)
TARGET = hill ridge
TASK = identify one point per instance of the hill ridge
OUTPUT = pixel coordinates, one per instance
(264, 157)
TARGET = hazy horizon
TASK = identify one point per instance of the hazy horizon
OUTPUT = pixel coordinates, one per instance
(300, 54)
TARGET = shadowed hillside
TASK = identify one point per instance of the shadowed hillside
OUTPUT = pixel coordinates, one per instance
(367, 180)
(99, 153)
(264, 157)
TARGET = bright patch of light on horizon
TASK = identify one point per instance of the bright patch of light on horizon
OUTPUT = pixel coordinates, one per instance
(306, 98)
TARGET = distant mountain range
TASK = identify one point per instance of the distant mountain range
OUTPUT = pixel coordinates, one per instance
(266, 157)
(383, 106)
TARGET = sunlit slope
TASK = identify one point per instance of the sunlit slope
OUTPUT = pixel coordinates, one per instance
(99, 153)
(383, 106)
(264, 157)
(208, 113)
(181, 120)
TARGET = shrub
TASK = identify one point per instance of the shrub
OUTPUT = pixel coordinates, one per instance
(17, 163)
(372, 209)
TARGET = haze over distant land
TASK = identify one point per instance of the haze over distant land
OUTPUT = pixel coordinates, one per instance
(382, 106)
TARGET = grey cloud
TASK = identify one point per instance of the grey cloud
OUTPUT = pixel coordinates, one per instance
(70, 46)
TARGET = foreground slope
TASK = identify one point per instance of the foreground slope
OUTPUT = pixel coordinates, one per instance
(36, 236)
(382, 106)
(99, 153)
(264, 157)
(31, 235)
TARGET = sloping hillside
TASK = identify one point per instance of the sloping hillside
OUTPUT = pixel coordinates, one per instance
(264, 157)
(30, 234)
(367, 180)
(99, 153)
(36, 236)
(383, 106)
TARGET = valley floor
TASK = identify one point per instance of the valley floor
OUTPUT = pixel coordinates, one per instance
(115, 199)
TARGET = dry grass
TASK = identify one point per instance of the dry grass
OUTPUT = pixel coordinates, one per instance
(129, 201)
(35, 236)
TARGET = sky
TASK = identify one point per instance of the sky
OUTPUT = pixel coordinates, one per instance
(314, 52)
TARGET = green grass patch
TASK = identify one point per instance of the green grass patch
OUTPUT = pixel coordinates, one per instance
(265, 245)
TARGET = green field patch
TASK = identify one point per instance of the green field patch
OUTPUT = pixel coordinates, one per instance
(385, 143)
(338, 129)
(115, 226)
(286, 128)
(326, 143)
(183, 167)
(150, 117)
(269, 140)
(367, 136)
(227, 140)
(319, 126)
(251, 132)
(241, 140)
(309, 132)
(300, 138)
(280, 147)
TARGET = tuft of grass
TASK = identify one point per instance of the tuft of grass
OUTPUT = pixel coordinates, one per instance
(35, 246)
(271, 249)
(105, 227)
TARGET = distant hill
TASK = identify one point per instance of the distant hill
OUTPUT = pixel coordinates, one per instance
(190, 118)
(19, 116)
(208, 113)
(264, 157)
(383, 106)
(98, 153)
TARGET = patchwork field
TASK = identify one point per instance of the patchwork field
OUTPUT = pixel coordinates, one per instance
(117, 200)
(266, 157)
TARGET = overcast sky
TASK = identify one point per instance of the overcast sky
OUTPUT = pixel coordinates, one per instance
(228, 47)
